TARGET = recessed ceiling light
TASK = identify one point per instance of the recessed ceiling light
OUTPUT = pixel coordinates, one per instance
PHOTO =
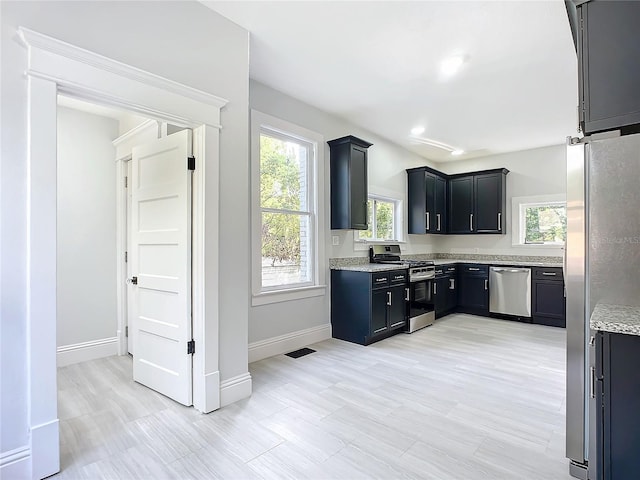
(457, 152)
(417, 130)
(451, 65)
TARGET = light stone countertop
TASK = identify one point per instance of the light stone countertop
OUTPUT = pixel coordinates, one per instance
(371, 267)
(616, 319)
(446, 261)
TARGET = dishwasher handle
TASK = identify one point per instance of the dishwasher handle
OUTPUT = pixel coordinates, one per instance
(510, 270)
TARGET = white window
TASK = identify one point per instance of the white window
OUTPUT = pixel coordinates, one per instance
(541, 221)
(285, 220)
(385, 214)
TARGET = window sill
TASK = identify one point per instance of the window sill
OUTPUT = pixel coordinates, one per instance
(277, 296)
(536, 245)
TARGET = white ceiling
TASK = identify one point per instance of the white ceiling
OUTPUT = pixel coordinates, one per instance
(377, 65)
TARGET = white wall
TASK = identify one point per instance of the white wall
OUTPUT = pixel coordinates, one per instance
(86, 273)
(387, 164)
(540, 171)
(183, 41)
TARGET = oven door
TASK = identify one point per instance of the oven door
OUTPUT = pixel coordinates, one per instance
(420, 297)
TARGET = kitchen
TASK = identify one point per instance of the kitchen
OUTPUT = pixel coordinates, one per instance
(274, 327)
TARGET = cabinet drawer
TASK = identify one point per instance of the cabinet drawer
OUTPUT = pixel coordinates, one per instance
(440, 271)
(475, 269)
(380, 279)
(398, 277)
(551, 273)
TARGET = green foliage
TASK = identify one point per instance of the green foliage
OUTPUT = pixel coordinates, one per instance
(383, 212)
(546, 224)
(280, 188)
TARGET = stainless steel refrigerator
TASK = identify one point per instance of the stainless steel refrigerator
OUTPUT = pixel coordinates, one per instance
(602, 265)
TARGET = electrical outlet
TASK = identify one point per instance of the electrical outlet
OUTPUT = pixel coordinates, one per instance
(335, 240)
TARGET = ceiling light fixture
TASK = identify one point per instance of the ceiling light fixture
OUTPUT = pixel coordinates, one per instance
(457, 152)
(417, 130)
(450, 66)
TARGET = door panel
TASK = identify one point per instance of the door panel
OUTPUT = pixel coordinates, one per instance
(417, 197)
(488, 203)
(358, 167)
(460, 204)
(398, 308)
(440, 206)
(430, 186)
(378, 312)
(161, 261)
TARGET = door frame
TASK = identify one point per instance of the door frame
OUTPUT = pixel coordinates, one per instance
(56, 67)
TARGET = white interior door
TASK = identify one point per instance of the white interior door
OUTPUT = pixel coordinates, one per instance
(128, 228)
(161, 265)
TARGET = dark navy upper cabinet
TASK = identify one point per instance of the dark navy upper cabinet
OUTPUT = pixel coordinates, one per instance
(608, 45)
(349, 192)
(427, 201)
(477, 202)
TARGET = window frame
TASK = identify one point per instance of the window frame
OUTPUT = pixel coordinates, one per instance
(398, 222)
(262, 123)
(518, 209)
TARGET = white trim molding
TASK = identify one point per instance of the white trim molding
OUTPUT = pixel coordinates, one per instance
(518, 223)
(235, 388)
(82, 352)
(116, 83)
(288, 342)
(45, 449)
(16, 463)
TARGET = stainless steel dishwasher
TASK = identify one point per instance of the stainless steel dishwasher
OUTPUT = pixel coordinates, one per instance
(510, 291)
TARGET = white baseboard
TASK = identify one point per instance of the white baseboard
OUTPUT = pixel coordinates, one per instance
(235, 388)
(81, 352)
(288, 342)
(209, 399)
(16, 464)
(45, 449)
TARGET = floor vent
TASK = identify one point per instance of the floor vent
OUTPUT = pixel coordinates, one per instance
(300, 353)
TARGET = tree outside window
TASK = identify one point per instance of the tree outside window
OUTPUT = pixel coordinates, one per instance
(545, 224)
(285, 208)
(381, 220)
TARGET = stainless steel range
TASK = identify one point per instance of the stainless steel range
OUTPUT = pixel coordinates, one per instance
(420, 308)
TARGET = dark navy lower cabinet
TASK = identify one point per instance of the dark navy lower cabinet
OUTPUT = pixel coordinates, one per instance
(473, 291)
(548, 303)
(445, 290)
(617, 390)
(367, 307)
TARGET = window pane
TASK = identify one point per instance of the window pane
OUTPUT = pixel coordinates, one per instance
(286, 249)
(368, 233)
(545, 224)
(384, 220)
(283, 174)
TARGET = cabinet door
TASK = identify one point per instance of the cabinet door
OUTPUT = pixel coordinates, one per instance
(379, 299)
(430, 187)
(461, 205)
(488, 203)
(474, 293)
(440, 206)
(548, 303)
(358, 174)
(417, 199)
(440, 286)
(398, 307)
(452, 293)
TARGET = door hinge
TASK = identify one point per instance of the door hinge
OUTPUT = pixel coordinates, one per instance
(191, 163)
(126, 257)
(126, 182)
(191, 347)
(126, 331)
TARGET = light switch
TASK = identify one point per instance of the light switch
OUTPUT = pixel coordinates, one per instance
(335, 240)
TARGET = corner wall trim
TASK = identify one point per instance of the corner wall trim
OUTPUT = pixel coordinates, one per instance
(235, 388)
(16, 463)
(288, 342)
(81, 352)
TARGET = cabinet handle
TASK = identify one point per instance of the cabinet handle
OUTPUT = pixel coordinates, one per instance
(438, 218)
(473, 269)
(389, 298)
(486, 284)
(380, 330)
(406, 294)
(549, 274)
(435, 288)
(428, 222)
(471, 222)
(499, 222)
(592, 382)
(397, 323)
(452, 284)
